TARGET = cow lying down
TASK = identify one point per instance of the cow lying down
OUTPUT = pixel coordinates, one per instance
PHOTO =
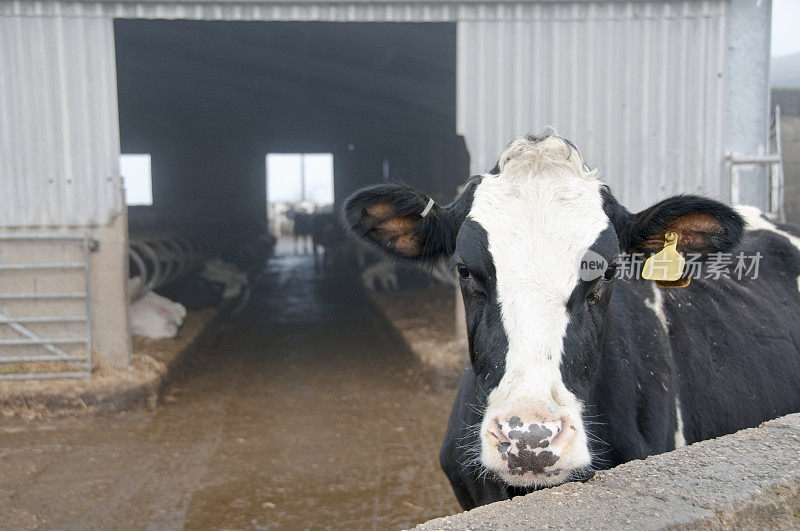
(569, 373)
(154, 316)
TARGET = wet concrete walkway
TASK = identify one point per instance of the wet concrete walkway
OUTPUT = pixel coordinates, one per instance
(301, 413)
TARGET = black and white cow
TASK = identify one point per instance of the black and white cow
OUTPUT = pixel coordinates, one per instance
(567, 375)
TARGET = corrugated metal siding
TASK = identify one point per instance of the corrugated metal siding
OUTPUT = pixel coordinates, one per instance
(337, 10)
(331, 11)
(654, 127)
(638, 86)
(59, 133)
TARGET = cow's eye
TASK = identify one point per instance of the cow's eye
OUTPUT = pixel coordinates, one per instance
(463, 271)
(610, 272)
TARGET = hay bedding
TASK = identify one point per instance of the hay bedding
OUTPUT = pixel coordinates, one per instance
(31, 399)
(425, 318)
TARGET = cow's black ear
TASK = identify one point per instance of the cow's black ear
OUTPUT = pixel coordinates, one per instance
(703, 226)
(399, 221)
(617, 214)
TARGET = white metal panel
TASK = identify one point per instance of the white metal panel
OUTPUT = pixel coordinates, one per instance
(639, 87)
(59, 133)
(653, 126)
(335, 10)
(320, 10)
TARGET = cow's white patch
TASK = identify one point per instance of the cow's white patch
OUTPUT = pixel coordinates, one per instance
(755, 221)
(657, 305)
(540, 214)
(680, 440)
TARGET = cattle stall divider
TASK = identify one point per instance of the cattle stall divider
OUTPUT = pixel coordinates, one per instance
(61, 317)
(163, 257)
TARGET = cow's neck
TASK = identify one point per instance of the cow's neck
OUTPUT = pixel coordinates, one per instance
(637, 371)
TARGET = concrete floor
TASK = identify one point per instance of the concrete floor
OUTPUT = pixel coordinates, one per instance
(301, 412)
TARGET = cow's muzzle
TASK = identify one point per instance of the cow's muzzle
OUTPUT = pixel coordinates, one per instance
(532, 449)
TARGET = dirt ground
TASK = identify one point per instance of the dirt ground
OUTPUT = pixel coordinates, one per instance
(301, 412)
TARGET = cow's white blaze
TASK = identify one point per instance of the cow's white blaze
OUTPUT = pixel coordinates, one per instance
(540, 214)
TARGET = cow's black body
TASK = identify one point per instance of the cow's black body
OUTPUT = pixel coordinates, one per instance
(571, 373)
(731, 353)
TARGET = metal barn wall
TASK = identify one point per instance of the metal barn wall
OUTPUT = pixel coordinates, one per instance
(59, 134)
(59, 129)
(639, 87)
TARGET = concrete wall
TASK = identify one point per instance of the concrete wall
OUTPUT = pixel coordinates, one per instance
(750, 479)
(110, 298)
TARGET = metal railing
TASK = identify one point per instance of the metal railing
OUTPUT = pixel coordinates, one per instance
(773, 162)
(159, 258)
(46, 354)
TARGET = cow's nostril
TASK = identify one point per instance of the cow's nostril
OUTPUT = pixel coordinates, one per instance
(495, 430)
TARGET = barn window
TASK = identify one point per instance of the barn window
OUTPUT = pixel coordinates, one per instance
(296, 177)
(136, 175)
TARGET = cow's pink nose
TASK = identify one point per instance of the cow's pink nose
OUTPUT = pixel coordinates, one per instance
(529, 445)
(530, 434)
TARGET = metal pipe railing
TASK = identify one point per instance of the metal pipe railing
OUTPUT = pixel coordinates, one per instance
(161, 257)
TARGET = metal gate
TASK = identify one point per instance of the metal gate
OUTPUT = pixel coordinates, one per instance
(45, 325)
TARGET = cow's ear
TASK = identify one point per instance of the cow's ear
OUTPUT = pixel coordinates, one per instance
(402, 222)
(703, 226)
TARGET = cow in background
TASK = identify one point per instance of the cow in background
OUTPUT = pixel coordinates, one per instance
(302, 228)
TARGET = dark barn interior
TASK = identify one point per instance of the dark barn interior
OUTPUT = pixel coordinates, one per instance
(208, 100)
(305, 347)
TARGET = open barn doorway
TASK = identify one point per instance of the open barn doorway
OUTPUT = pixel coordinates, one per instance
(242, 123)
(299, 191)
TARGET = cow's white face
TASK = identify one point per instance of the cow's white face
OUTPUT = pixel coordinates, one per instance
(539, 215)
(535, 324)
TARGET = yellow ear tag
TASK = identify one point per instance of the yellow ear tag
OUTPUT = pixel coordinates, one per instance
(666, 266)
